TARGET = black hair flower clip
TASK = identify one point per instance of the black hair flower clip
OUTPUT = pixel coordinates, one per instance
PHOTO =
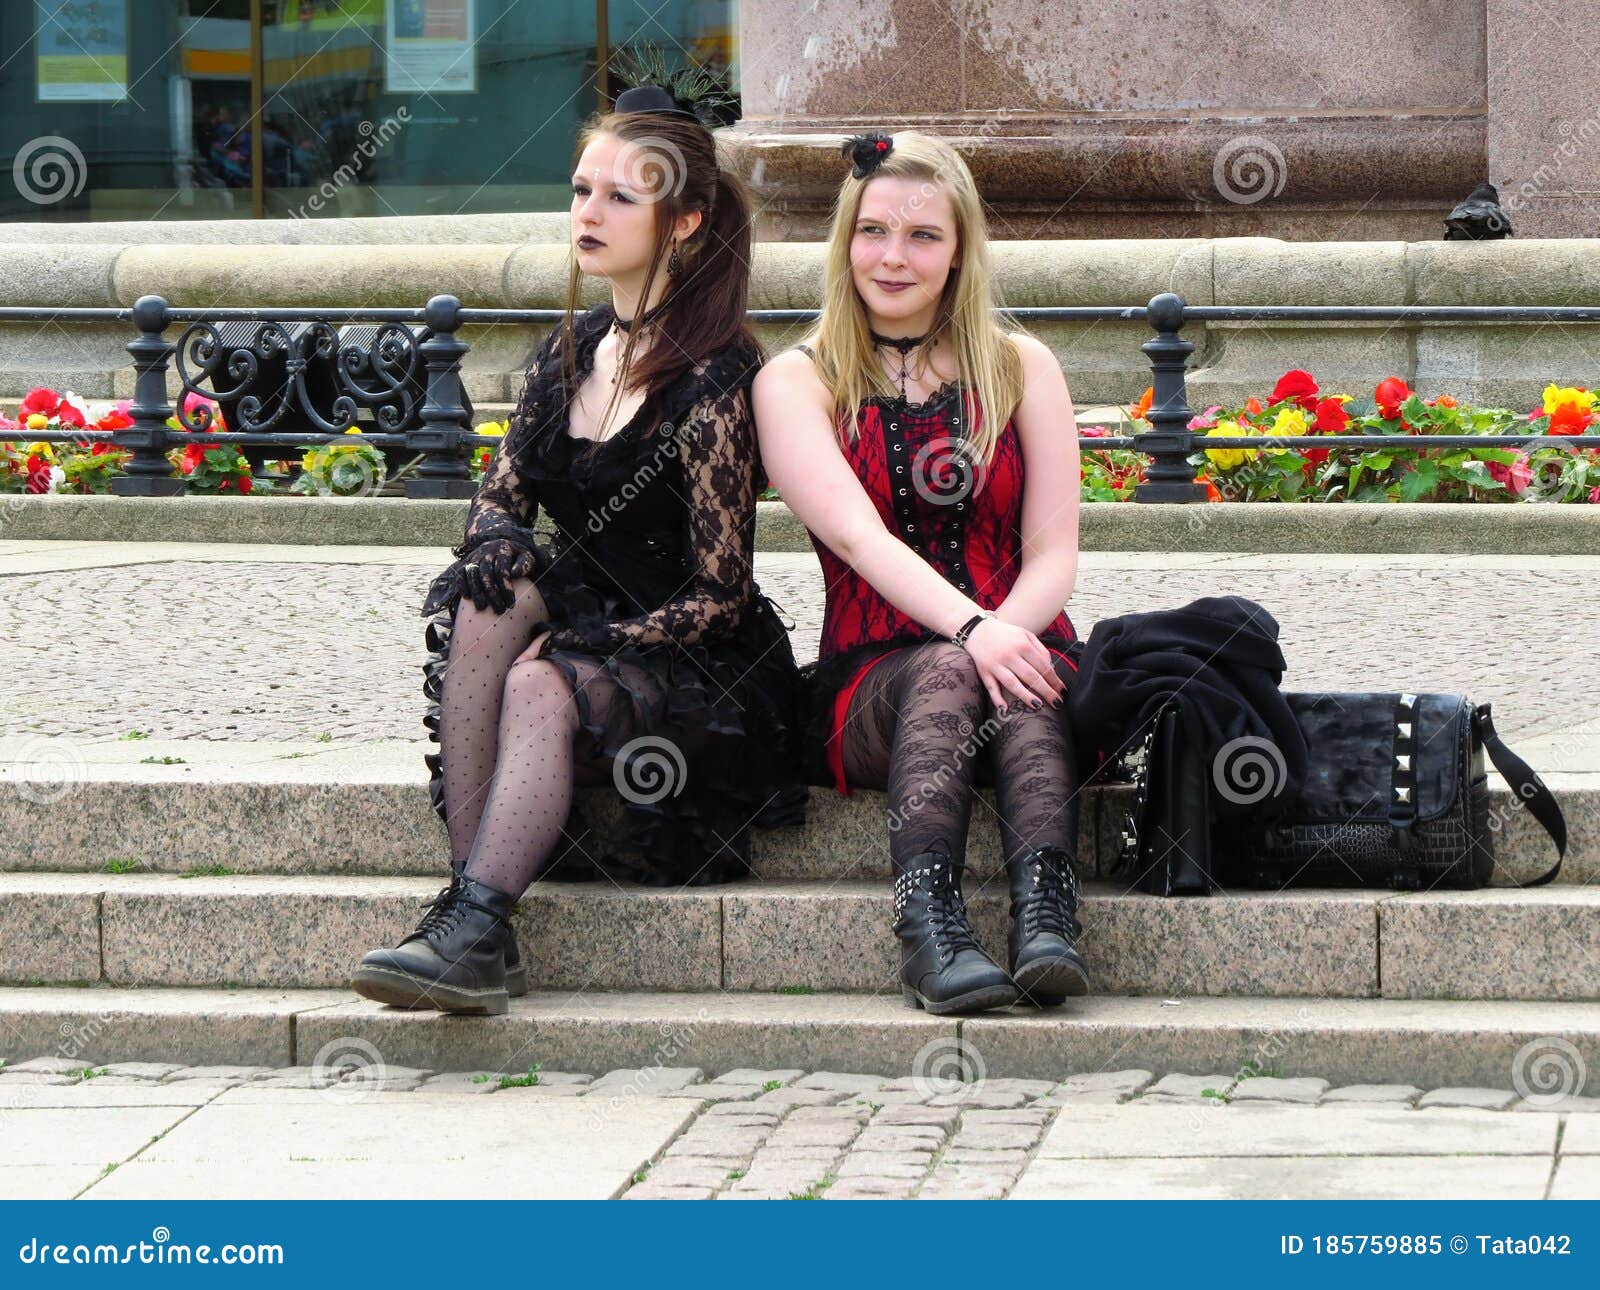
(866, 152)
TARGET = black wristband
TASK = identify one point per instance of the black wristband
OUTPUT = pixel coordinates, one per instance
(966, 629)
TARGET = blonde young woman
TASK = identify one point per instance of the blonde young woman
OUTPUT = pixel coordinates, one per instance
(933, 457)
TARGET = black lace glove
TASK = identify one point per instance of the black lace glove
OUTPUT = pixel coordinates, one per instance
(484, 575)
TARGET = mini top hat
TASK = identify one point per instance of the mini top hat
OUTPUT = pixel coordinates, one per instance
(651, 98)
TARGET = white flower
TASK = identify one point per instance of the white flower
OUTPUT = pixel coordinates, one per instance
(57, 478)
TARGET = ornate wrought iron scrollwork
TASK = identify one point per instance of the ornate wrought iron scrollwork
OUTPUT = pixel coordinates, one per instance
(301, 376)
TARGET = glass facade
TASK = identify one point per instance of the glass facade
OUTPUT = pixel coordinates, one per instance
(148, 109)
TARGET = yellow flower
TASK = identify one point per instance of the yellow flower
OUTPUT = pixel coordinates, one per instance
(37, 421)
(495, 428)
(1288, 421)
(39, 449)
(1227, 458)
(1555, 396)
(353, 430)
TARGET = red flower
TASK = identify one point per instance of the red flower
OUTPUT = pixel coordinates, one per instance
(38, 475)
(193, 455)
(1252, 405)
(1391, 393)
(40, 400)
(1594, 494)
(1569, 418)
(1331, 417)
(1296, 386)
(116, 419)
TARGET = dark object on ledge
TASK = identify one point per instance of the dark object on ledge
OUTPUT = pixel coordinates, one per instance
(1480, 218)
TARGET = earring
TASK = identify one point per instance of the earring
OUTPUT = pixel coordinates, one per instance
(675, 263)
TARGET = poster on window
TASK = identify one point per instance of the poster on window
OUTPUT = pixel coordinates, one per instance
(429, 47)
(81, 50)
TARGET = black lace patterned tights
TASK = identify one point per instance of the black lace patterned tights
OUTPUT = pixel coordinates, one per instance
(506, 740)
(922, 726)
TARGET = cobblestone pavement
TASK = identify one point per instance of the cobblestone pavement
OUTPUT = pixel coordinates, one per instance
(224, 648)
(790, 1134)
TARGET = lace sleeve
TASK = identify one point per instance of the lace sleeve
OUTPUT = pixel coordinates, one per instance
(719, 453)
(507, 502)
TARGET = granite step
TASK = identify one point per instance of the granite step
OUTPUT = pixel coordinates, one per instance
(1429, 1043)
(338, 814)
(308, 931)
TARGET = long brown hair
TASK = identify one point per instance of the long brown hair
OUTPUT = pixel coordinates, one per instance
(704, 307)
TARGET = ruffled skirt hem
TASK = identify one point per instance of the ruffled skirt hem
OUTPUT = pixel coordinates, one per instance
(703, 741)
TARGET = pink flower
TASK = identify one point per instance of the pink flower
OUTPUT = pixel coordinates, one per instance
(1206, 420)
(1515, 477)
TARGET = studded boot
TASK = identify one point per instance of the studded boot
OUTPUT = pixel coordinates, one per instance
(455, 960)
(942, 967)
(1042, 944)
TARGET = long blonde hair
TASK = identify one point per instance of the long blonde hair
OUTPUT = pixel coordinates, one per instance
(989, 366)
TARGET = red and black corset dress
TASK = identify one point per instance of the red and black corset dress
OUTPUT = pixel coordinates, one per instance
(963, 518)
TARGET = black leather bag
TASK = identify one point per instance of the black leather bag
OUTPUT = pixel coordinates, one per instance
(1166, 837)
(1395, 795)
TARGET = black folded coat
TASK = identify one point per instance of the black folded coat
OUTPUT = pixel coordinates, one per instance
(1219, 655)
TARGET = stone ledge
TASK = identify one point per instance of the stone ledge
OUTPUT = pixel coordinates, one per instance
(1267, 527)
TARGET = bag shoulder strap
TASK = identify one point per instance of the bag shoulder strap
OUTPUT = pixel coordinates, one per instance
(1529, 788)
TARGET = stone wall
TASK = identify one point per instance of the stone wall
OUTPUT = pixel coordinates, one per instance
(1496, 363)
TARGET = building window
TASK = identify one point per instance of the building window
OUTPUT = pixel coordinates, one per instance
(305, 109)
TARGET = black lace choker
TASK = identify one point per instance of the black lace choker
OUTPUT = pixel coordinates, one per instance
(628, 324)
(905, 344)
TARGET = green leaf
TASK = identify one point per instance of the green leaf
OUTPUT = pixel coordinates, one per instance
(1420, 480)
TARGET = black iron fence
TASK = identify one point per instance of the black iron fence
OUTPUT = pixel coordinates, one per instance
(292, 379)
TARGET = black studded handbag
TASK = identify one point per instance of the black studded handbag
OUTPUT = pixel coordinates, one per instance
(1166, 836)
(1395, 795)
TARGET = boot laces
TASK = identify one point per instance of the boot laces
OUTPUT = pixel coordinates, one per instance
(947, 917)
(442, 913)
(1052, 899)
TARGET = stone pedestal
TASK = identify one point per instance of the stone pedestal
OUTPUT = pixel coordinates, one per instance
(1117, 120)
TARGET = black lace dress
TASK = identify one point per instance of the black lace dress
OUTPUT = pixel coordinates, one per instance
(651, 569)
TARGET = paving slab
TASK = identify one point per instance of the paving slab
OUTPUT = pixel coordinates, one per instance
(258, 1142)
(1137, 1129)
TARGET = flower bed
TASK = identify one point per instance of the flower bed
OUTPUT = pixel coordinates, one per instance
(1406, 471)
(348, 467)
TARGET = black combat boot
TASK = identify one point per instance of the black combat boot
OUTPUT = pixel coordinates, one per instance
(942, 967)
(457, 958)
(1042, 944)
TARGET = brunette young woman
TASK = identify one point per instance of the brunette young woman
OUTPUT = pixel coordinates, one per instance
(633, 648)
(932, 454)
